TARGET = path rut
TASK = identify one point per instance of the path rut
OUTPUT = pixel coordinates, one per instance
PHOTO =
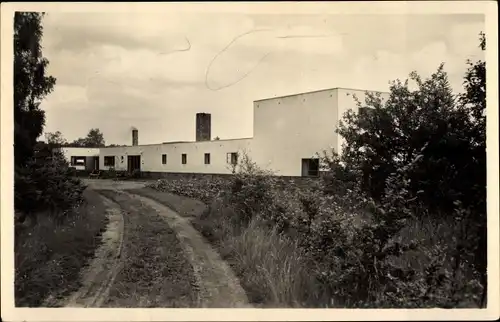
(99, 275)
(219, 287)
(216, 284)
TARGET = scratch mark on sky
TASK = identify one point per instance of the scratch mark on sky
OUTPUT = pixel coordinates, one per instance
(304, 36)
(179, 50)
(223, 50)
(260, 60)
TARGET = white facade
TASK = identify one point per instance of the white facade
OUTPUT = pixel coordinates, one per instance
(80, 157)
(151, 159)
(288, 132)
(291, 128)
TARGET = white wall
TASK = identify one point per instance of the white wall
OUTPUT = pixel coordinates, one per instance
(292, 128)
(289, 129)
(79, 152)
(151, 156)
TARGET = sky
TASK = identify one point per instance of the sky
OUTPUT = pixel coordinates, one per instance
(155, 71)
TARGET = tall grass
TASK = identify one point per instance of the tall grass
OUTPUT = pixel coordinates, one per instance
(271, 266)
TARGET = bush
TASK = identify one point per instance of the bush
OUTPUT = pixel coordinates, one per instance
(46, 185)
(204, 189)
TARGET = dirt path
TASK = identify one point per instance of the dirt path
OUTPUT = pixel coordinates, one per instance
(219, 287)
(162, 260)
(100, 274)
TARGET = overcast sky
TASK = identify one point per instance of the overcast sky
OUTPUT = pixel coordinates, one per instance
(156, 71)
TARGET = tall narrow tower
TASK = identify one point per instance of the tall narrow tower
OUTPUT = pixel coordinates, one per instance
(203, 127)
(135, 137)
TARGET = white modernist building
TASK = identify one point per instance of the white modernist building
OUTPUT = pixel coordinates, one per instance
(289, 131)
(81, 158)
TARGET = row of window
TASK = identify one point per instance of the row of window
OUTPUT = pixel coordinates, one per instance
(231, 158)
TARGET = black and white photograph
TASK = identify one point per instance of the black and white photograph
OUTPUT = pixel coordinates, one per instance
(250, 156)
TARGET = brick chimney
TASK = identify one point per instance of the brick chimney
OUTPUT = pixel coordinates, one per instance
(203, 127)
(135, 137)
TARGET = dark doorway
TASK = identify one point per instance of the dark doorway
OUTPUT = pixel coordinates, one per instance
(134, 163)
(96, 163)
(89, 163)
(310, 167)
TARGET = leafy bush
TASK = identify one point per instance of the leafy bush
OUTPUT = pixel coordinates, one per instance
(204, 189)
(46, 185)
(110, 174)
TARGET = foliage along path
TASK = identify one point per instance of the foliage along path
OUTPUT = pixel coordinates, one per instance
(152, 257)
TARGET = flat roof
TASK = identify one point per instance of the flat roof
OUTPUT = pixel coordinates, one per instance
(173, 142)
(320, 90)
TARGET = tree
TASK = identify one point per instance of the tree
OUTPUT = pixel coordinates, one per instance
(473, 102)
(94, 139)
(31, 84)
(385, 137)
(55, 139)
(80, 143)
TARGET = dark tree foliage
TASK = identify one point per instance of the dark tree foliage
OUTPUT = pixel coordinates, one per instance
(55, 139)
(473, 102)
(445, 136)
(94, 139)
(31, 84)
(42, 179)
(448, 131)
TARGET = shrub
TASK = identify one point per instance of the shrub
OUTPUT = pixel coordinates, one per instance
(46, 185)
(201, 188)
(364, 265)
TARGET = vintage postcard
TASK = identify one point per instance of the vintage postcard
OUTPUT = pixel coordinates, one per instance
(259, 161)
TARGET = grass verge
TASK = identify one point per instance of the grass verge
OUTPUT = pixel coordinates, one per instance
(49, 255)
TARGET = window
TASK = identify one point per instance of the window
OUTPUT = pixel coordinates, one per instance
(163, 159)
(109, 161)
(207, 158)
(310, 167)
(184, 158)
(78, 160)
(232, 158)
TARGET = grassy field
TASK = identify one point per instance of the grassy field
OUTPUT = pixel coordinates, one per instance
(50, 254)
